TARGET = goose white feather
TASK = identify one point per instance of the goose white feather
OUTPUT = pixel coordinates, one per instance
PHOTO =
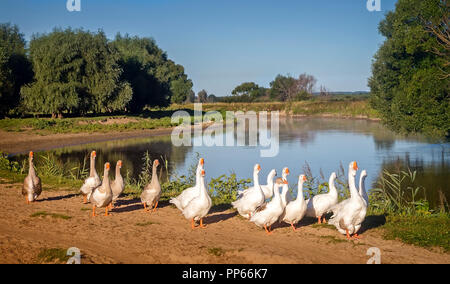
(251, 198)
(322, 203)
(349, 214)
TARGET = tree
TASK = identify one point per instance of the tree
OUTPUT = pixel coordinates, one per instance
(155, 80)
(287, 88)
(248, 91)
(75, 71)
(15, 68)
(212, 98)
(407, 87)
(439, 28)
(202, 96)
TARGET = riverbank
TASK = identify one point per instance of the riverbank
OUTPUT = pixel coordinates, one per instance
(59, 220)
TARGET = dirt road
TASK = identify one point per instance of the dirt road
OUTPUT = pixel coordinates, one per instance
(131, 235)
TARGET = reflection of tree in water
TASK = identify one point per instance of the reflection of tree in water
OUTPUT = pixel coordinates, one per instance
(130, 151)
(433, 175)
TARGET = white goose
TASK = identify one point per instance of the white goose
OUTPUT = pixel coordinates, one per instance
(101, 196)
(251, 198)
(295, 210)
(182, 200)
(117, 185)
(322, 203)
(269, 213)
(350, 213)
(199, 206)
(32, 186)
(92, 182)
(362, 188)
(287, 197)
(152, 191)
(269, 187)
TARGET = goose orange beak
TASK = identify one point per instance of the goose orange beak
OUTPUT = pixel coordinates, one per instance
(259, 167)
(285, 181)
(107, 166)
(119, 163)
(304, 178)
(94, 154)
(355, 166)
(203, 172)
(287, 171)
(202, 161)
(31, 154)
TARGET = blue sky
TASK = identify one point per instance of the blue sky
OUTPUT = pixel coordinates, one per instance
(224, 43)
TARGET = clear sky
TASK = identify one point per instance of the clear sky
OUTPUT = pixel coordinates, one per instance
(222, 43)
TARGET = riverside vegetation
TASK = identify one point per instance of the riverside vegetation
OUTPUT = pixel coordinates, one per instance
(394, 208)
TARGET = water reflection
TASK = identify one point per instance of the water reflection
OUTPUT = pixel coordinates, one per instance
(323, 143)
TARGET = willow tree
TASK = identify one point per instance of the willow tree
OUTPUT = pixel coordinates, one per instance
(156, 80)
(407, 85)
(15, 69)
(75, 71)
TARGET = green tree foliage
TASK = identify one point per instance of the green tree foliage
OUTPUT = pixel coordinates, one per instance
(15, 69)
(75, 71)
(288, 88)
(155, 80)
(407, 85)
(202, 96)
(249, 91)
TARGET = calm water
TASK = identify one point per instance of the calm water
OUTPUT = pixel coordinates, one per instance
(323, 143)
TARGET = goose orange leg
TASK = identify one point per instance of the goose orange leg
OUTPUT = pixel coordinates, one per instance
(356, 236)
(319, 219)
(267, 230)
(26, 200)
(201, 224)
(324, 220)
(154, 209)
(293, 227)
(93, 211)
(106, 211)
(84, 199)
(145, 206)
(193, 224)
(348, 235)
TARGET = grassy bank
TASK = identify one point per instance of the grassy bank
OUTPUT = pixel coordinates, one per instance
(155, 119)
(340, 108)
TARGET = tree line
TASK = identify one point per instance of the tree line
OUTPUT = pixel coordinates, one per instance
(283, 88)
(79, 72)
(410, 80)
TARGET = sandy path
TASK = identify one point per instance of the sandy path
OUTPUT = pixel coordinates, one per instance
(168, 238)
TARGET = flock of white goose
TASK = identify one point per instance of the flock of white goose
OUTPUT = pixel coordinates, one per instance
(263, 205)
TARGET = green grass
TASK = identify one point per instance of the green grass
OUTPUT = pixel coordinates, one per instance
(145, 224)
(333, 239)
(53, 254)
(216, 251)
(53, 215)
(424, 231)
(80, 125)
(326, 225)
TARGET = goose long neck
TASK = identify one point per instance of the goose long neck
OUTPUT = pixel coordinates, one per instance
(105, 182)
(154, 174)
(31, 170)
(362, 187)
(118, 175)
(256, 178)
(300, 191)
(351, 184)
(203, 192)
(332, 187)
(92, 167)
(197, 176)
